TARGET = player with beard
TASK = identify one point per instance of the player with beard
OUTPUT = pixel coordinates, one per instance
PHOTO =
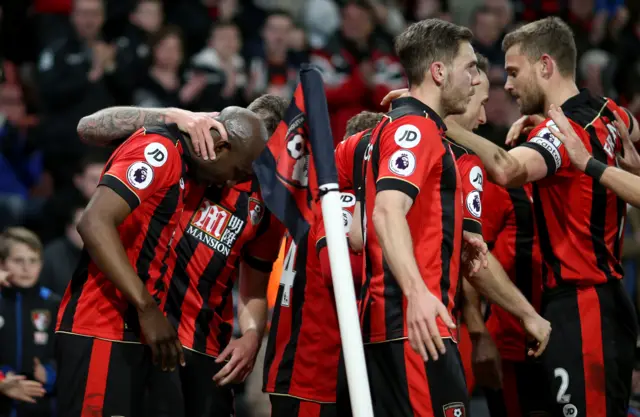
(221, 227)
(508, 229)
(110, 322)
(303, 356)
(412, 226)
(590, 356)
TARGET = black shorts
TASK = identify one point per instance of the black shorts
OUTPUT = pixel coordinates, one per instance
(343, 401)
(403, 385)
(191, 387)
(591, 352)
(285, 406)
(524, 392)
(97, 377)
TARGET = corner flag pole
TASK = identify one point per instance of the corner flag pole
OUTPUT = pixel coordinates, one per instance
(343, 288)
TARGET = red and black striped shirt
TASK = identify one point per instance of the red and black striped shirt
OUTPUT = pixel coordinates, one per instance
(219, 227)
(472, 175)
(410, 153)
(580, 222)
(147, 172)
(303, 351)
(509, 230)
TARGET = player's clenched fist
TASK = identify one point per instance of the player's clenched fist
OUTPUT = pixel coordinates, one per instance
(161, 338)
(423, 309)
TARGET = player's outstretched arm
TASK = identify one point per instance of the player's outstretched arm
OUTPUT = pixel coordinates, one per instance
(390, 223)
(113, 124)
(98, 228)
(626, 185)
(252, 317)
(495, 285)
(485, 358)
(508, 169)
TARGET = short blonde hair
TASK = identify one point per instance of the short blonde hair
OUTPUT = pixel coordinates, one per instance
(15, 235)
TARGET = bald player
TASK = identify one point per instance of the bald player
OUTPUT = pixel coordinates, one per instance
(111, 327)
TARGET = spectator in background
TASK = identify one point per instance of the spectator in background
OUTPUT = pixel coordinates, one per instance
(29, 312)
(388, 16)
(487, 32)
(591, 70)
(222, 67)
(53, 220)
(273, 68)
(321, 20)
(74, 76)
(133, 46)
(88, 173)
(61, 256)
(358, 66)
(627, 53)
(18, 388)
(163, 85)
(20, 161)
(416, 10)
(503, 10)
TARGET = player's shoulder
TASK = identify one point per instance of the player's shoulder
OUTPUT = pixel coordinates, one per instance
(156, 145)
(409, 131)
(351, 142)
(543, 131)
(461, 152)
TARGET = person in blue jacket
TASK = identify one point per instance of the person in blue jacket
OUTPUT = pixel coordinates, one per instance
(27, 319)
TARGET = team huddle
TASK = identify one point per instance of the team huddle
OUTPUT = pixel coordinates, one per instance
(436, 218)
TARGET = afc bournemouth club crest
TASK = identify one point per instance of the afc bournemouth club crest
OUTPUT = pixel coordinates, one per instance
(256, 211)
(41, 319)
(294, 168)
(454, 410)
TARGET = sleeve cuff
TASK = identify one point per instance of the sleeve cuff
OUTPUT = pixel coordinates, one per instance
(391, 183)
(472, 226)
(320, 244)
(121, 189)
(258, 264)
(551, 155)
(51, 378)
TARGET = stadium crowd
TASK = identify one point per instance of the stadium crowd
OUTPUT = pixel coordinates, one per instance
(65, 59)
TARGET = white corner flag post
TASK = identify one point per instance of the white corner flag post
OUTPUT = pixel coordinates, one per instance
(350, 332)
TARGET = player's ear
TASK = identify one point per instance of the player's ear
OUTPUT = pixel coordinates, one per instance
(438, 72)
(547, 66)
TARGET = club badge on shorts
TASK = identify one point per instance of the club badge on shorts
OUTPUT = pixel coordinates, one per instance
(454, 410)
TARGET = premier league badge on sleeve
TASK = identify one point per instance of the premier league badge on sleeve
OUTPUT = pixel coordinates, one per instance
(140, 175)
(402, 163)
(473, 203)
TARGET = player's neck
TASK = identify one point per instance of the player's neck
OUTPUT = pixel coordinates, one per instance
(560, 92)
(429, 95)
